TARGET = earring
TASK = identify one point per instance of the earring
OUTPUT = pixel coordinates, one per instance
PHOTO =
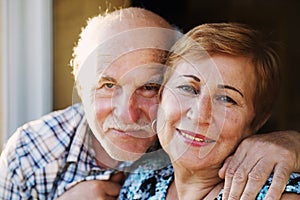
(153, 125)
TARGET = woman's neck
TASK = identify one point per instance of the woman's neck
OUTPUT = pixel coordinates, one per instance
(204, 184)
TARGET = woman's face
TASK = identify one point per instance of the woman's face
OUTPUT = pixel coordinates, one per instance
(206, 109)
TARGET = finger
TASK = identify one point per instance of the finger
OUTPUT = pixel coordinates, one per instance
(222, 171)
(119, 177)
(256, 179)
(280, 179)
(232, 166)
(237, 184)
(111, 188)
(108, 198)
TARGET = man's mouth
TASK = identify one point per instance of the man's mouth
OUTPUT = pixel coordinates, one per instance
(131, 133)
(194, 138)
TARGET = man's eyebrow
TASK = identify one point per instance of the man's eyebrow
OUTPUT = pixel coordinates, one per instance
(157, 80)
(193, 77)
(231, 88)
(107, 78)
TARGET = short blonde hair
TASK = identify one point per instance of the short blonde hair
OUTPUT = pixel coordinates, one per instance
(235, 39)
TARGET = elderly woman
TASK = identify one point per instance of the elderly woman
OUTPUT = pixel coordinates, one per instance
(219, 88)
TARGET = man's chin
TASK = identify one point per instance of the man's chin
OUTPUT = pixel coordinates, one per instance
(125, 156)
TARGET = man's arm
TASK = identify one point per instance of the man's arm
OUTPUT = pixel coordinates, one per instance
(290, 196)
(255, 159)
(95, 189)
(11, 175)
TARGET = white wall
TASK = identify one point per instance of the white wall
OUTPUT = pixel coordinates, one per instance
(26, 62)
(1, 72)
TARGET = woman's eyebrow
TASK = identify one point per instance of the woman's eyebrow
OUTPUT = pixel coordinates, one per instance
(231, 88)
(193, 77)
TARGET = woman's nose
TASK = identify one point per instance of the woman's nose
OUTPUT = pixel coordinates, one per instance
(201, 109)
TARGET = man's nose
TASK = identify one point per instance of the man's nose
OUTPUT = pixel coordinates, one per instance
(126, 107)
(201, 110)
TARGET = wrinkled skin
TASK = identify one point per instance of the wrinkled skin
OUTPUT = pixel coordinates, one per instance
(96, 189)
(255, 159)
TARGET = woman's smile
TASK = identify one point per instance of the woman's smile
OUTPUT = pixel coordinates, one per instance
(194, 139)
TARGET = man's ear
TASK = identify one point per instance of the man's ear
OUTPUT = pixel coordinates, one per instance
(78, 88)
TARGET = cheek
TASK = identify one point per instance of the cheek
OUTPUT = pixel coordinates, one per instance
(103, 107)
(231, 134)
(171, 106)
(169, 114)
(233, 129)
(148, 106)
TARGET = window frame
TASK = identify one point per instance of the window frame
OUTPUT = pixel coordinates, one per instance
(26, 62)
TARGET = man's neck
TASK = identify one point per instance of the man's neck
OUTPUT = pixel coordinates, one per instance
(103, 160)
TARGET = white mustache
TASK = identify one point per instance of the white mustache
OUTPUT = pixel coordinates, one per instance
(114, 123)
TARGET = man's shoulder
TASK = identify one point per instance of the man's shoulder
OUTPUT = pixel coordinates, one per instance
(40, 141)
(57, 124)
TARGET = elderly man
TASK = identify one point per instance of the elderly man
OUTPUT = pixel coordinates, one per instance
(76, 153)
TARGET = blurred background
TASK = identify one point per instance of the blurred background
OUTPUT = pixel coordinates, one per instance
(37, 37)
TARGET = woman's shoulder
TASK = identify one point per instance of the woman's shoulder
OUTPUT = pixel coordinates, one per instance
(144, 183)
(293, 185)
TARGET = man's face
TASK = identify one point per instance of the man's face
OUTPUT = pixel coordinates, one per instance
(124, 104)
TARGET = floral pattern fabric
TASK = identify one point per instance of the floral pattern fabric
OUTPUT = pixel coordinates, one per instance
(144, 184)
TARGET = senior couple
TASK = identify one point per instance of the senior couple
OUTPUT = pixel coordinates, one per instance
(203, 99)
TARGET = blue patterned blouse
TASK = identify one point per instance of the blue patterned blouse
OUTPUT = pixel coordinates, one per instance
(144, 184)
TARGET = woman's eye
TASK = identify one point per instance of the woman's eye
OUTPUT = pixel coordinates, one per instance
(226, 99)
(189, 89)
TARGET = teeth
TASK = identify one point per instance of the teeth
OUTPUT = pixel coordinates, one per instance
(199, 139)
(191, 137)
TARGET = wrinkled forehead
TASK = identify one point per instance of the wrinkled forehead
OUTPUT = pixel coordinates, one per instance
(144, 44)
(134, 58)
(114, 46)
(141, 63)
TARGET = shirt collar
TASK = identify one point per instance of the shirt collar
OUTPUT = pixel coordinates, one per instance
(81, 137)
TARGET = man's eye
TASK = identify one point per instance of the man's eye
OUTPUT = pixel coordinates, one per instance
(189, 89)
(151, 86)
(149, 90)
(106, 86)
(225, 99)
(109, 85)
(106, 89)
